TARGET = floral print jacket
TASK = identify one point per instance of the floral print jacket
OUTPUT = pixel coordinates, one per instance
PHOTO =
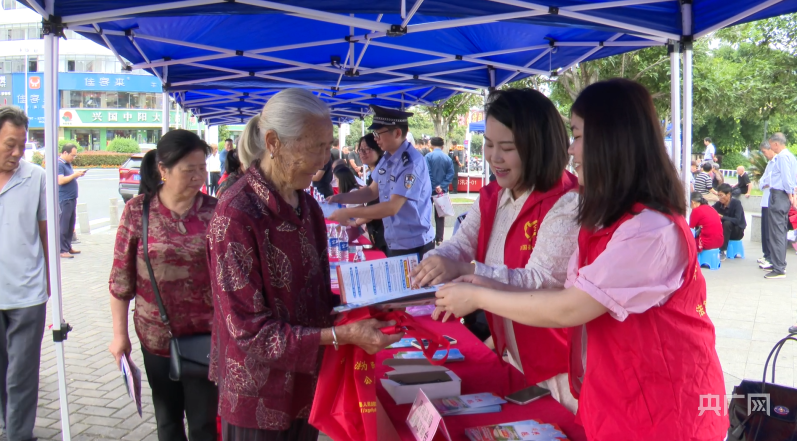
(179, 261)
(272, 296)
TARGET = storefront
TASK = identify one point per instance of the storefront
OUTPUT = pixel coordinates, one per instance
(94, 108)
(94, 129)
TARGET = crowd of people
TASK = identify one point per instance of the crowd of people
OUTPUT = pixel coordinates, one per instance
(558, 272)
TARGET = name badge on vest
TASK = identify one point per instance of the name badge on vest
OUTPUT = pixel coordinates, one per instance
(405, 159)
(530, 230)
(381, 171)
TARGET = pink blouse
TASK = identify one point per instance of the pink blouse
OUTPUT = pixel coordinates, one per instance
(642, 266)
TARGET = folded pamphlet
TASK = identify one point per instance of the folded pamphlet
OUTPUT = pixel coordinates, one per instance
(381, 282)
(530, 430)
(131, 375)
(469, 404)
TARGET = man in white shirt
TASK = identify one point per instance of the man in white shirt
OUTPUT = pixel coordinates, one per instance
(23, 278)
(213, 163)
(710, 154)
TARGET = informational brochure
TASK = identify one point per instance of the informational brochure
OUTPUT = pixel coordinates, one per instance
(529, 430)
(453, 355)
(469, 404)
(423, 419)
(405, 342)
(381, 282)
(131, 375)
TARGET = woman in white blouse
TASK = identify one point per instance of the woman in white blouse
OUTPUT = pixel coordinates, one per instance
(522, 230)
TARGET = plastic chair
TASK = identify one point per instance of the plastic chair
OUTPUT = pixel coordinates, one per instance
(735, 249)
(709, 258)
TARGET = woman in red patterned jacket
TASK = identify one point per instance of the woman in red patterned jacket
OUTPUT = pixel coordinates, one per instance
(171, 177)
(267, 248)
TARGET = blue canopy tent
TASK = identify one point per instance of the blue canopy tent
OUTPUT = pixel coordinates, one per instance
(477, 127)
(222, 59)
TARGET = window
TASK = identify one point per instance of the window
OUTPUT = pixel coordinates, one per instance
(33, 65)
(70, 65)
(11, 4)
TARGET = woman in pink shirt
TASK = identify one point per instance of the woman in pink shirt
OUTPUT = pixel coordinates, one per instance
(642, 355)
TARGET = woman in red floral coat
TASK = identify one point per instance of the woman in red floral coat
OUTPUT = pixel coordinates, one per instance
(267, 249)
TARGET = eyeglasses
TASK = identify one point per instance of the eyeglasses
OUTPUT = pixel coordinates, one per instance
(364, 151)
(378, 134)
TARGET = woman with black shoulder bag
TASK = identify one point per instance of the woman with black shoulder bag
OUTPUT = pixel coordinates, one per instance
(160, 259)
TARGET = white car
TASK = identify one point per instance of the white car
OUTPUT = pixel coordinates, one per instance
(30, 149)
(147, 147)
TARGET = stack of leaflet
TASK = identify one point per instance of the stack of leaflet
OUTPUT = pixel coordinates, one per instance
(468, 404)
(453, 355)
(530, 430)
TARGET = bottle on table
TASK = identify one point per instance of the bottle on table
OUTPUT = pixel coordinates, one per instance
(343, 246)
(332, 236)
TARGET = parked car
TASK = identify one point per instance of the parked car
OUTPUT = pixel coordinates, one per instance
(30, 149)
(129, 177)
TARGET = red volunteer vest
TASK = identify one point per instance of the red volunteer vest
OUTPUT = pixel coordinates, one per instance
(543, 351)
(645, 375)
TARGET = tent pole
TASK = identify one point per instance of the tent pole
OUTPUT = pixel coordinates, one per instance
(60, 327)
(686, 14)
(165, 114)
(675, 108)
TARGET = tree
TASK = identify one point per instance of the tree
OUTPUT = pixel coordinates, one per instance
(444, 114)
(224, 133)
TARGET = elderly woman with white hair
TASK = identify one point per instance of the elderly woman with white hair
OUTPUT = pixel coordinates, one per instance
(271, 287)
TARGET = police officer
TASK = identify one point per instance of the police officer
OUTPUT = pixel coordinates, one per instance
(401, 181)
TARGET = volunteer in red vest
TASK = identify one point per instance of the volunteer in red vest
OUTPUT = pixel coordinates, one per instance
(642, 357)
(707, 220)
(521, 231)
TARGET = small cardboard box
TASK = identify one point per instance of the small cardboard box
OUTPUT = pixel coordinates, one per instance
(404, 382)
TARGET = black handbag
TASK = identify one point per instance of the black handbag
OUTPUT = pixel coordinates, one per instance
(189, 355)
(762, 411)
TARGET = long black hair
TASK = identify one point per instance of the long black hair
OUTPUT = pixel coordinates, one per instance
(233, 163)
(346, 180)
(172, 147)
(624, 160)
(371, 143)
(539, 132)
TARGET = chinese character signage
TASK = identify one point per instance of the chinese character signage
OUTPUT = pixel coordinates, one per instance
(98, 82)
(30, 98)
(133, 118)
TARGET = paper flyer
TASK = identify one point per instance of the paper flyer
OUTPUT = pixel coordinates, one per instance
(530, 430)
(469, 404)
(405, 342)
(131, 375)
(423, 418)
(453, 355)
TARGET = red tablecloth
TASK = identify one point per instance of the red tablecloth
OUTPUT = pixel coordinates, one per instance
(481, 371)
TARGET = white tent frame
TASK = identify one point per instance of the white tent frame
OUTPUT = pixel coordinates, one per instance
(680, 152)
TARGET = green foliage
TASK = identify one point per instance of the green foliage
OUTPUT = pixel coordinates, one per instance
(444, 115)
(123, 145)
(38, 158)
(734, 159)
(100, 159)
(224, 133)
(476, 144)
(63, 142)
(758, 163)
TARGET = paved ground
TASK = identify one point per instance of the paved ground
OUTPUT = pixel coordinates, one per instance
(750, 315)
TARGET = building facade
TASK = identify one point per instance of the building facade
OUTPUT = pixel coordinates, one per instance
(97, 100)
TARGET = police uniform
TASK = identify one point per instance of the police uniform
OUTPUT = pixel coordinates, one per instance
(404, 173)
